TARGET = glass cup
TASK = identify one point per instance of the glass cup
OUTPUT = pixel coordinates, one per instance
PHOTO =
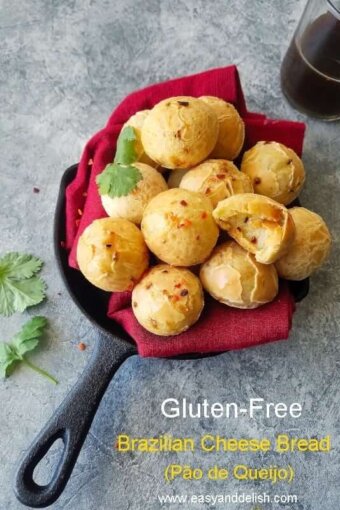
(310, 71)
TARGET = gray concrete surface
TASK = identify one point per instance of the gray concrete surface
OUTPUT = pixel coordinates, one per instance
(64, 66)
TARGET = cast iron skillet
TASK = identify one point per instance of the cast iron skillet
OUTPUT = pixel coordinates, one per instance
(72, 420)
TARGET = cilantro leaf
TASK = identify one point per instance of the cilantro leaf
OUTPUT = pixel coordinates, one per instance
(7, 357)
(23, 342)
(19, 288)
(28, 338)
(26, 293)
(126, 152)
(119, 178)
(6, 300)
(118, 181)
(19, 265)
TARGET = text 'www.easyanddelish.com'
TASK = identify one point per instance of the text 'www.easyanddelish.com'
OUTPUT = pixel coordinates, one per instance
(212, 500)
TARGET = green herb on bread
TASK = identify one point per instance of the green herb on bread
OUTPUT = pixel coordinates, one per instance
(119, 178)
(117, 181)
(126, 153)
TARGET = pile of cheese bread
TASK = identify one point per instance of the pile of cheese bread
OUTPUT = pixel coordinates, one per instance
(209, 226)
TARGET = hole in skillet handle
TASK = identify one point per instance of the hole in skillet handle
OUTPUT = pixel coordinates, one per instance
(45, 469)
(70, 422)
(28, 491)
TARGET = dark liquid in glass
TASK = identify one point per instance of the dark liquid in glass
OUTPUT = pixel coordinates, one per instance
(310, 72)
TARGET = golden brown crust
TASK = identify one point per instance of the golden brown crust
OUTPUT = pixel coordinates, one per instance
(168, 300)
(178, 227)
(310, 248)
(231, 129)
(131, 206)
(233, 276)
(275, 170)
(136, 121)
(180, 132)
(259, 224)
(216, 179)
(112, 254)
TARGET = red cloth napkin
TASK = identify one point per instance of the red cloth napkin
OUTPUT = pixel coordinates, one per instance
(220, 328)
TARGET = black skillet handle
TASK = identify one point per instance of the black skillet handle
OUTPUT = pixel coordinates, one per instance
(71, 423)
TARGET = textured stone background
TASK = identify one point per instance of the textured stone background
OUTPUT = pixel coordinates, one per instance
(64, 66)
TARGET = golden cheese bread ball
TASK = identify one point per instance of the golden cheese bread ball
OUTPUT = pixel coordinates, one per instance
(136, 121)
(233, 276)
(131, 206)
(178, 227)
(216, 179)
(231, 129)
(168, 300)
(112, 254)
(310, 248)
(275, 170)
(259, 224)
(175, 178)
(180, 132)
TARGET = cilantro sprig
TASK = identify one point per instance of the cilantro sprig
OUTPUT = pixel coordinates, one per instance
(126, 152)
(19, 285)
(119, 178)
(22, 343)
